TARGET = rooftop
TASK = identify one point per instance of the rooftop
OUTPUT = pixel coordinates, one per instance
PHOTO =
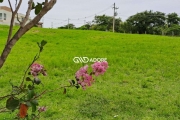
(5, 8)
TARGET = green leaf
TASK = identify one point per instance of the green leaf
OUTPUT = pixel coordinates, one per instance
(77, 86)
(30, 87)
(73, 82)
(1, 1)
(31, 94)
(38, 8)
(39, 45)
(28, 104)
(33, 107)
(33, 6)
(43, 43)
(29, 73)
(12, 103)
(28, 79)
(34, 104)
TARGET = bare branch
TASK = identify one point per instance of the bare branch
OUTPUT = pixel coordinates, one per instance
(27, 13)
(16, 4)
(22, 30)
(18, 19)
(10, 6)
(12, 20)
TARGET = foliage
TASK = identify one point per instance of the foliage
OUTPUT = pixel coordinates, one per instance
(68, 26)
(149, 22)
(144, 21)
(173, 19)
(174, 29)
(37, 7)
(87, 26)
(102, 23)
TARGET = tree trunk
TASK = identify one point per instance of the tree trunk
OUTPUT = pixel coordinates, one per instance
(23, 30)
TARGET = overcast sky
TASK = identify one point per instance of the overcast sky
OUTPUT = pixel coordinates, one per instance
(82, 11)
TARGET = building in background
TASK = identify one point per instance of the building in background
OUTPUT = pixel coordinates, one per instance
(5, 17)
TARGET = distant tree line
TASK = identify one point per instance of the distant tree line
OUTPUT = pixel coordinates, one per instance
(147, 22)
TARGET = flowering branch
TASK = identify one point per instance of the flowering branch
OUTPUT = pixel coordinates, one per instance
(41, 45)
(25, 97)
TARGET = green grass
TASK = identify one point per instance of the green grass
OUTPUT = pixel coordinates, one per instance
(142, 82)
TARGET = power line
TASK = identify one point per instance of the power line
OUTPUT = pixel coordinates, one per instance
(61, 21)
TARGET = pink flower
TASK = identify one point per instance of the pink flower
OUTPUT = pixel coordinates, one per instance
(88, 79)
(85, 81)
(36, 69)
(99, 68)
(81, 71)
(42, 109)
(83, 78)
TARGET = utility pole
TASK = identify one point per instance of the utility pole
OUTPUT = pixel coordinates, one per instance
(115, 13)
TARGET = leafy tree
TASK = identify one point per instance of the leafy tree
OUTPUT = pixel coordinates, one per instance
(172, 19)
(104, 23)
(173, 30)
(126, 27)
(68, 26)
(145, 21)
(87, 26)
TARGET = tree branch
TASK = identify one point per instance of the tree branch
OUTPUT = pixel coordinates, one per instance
(22, 30)
(35, 58)
(12, 20)
(18, 19)
(46, 2)
(10, 6)
(27, 13)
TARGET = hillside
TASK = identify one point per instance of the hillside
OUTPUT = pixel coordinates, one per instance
(142, 81)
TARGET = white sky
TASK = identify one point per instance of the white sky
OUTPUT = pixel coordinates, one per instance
(81, 11)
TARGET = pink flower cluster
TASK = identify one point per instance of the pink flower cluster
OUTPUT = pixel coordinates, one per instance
(99, 68)
(36, 69)
(84, 79)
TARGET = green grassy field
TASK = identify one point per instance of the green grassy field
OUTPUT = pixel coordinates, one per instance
(142, 82)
